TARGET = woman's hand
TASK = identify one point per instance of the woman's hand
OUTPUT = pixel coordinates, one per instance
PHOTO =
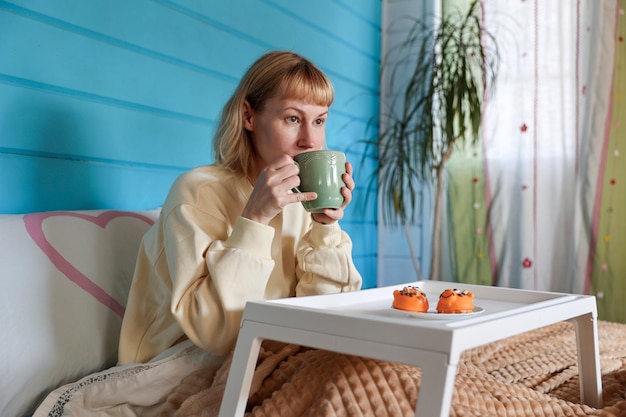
(329, 216)
(272, 190)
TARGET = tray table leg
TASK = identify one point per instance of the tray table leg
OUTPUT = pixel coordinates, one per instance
(590, 379)
(435, 394)
(241, 372)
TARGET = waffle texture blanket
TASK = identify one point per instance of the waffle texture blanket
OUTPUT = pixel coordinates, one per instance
(532, 374)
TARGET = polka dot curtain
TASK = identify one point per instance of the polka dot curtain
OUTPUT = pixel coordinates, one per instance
(540, 202)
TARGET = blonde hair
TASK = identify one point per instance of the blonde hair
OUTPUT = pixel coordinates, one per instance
(275, 73)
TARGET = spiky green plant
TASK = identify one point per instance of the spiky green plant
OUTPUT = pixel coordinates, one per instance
(437, 78)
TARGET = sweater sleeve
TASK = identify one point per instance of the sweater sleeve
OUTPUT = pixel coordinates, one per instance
(325, 263)
(214, 276)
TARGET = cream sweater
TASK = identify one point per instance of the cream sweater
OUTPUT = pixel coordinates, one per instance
(201, 262)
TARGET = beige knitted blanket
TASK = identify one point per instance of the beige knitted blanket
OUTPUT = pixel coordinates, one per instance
(532, 374)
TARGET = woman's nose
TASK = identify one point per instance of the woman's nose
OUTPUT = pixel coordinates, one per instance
(306, 138)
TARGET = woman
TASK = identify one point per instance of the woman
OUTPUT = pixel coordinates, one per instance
(234, 232)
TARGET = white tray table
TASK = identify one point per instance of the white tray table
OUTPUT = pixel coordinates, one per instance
(363, 323)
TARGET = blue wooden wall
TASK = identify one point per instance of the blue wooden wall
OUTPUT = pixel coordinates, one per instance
(104, 102)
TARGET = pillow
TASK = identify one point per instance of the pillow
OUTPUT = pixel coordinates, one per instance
(64, 281)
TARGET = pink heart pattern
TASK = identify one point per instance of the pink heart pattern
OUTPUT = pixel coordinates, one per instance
(34, 227)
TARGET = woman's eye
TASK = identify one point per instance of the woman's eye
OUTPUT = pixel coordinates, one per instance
(319, 121)
(293, 119)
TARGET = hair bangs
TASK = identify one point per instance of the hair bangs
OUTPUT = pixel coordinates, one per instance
(306, 83)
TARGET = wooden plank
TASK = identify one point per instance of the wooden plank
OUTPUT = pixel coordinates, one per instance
(105, 72)
(39, 120)
(42, 184)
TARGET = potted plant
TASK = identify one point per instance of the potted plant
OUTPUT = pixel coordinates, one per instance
(437, 78)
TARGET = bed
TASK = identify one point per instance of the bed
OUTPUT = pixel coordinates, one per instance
(65, 277)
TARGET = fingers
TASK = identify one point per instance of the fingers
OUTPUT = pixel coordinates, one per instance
(280, 175)
(281, 161)
(328, 216)
(272, 190)
(349, 168)
(350, 185)
(308, 196)
(349, 181)
(347, 197)
(347, 177)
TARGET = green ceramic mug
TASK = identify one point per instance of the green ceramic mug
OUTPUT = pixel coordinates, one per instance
(321, 172)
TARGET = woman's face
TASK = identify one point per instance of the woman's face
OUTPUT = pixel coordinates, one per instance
(285, 126)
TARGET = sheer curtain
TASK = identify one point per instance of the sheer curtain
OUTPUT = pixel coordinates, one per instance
(539, 203)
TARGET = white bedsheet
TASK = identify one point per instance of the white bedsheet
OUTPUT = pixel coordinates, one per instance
(127, 391)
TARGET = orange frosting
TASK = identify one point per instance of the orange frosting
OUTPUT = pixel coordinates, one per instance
(410, 299)
(455, 301)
